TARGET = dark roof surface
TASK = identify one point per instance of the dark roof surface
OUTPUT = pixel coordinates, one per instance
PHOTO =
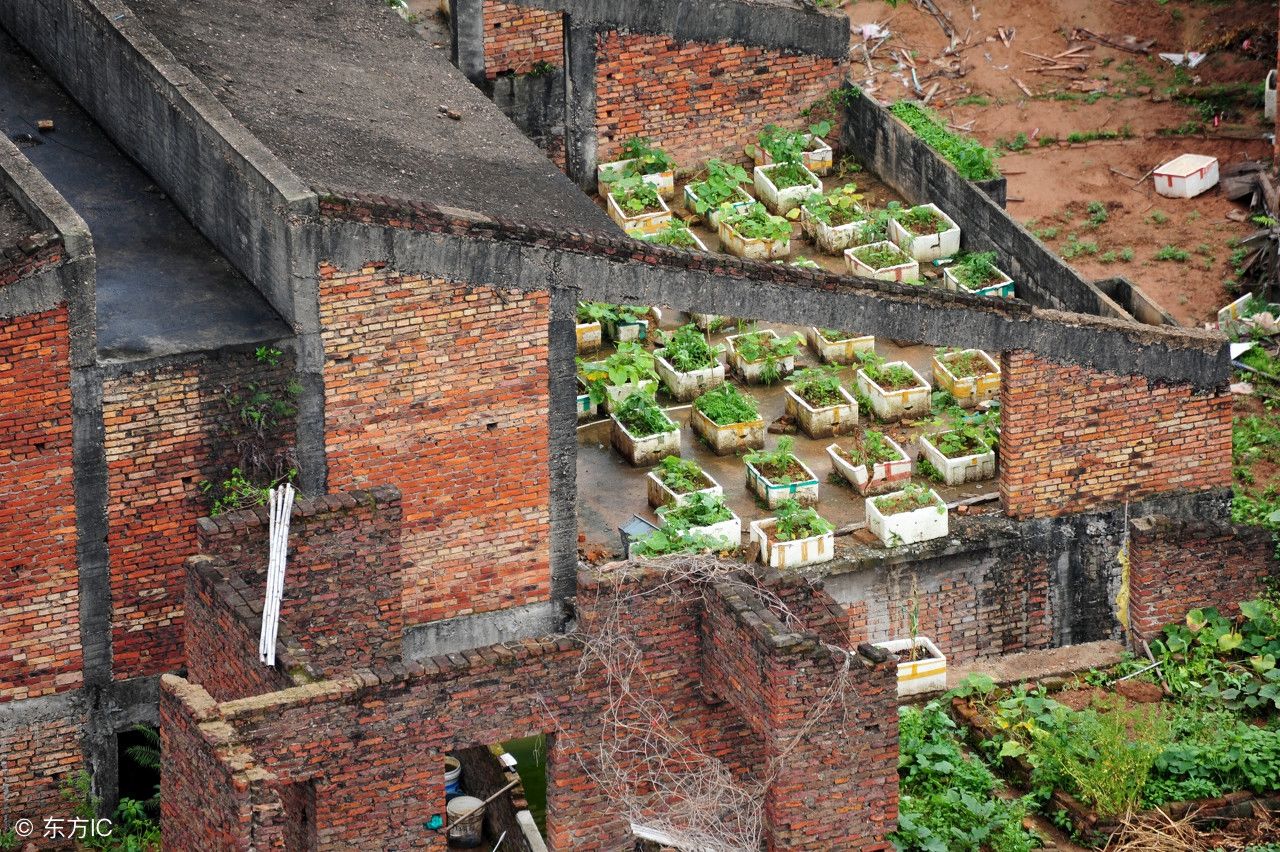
(161, 288)
(346, 94)
(14, 224)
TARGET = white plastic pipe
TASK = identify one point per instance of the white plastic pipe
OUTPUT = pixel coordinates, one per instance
(279, 509)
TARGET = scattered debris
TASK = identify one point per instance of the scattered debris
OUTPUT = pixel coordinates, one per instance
(1191, 60)
(1128, 43)
(872, 31)
(44, 125)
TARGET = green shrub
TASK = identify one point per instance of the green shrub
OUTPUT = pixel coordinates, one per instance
(972, 160)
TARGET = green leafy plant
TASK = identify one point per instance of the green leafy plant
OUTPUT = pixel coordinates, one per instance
(674, 233)
(683, 476)
(697, 510)
(922, 220)
(788, 146)
(910, 498)
(132, 830)
(888, 376)
(1076, 247)
(687, 350)
(1097, 213)
(779, 465)
(725, 404)
(787, 175)
(795, 522)
(666, 542)
(631, 364)
(595, 312)
(818, 386)
(641, 415)
(977, 270)
(836, 207)
(868, 449)
(966, 364)
(1173, 253)
(646, 158)
(971, 436)
(721, 185)
(971, 159)
(880, 256)
(756, 223)
(635, 195)
(768, 350)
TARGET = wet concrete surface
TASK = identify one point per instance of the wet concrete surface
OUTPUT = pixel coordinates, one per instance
(161, 287)
(610, 491)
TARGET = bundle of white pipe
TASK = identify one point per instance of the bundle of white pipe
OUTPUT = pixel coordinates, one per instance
(279, 506)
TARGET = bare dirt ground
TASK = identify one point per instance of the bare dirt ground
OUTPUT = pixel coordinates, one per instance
(1163, 110)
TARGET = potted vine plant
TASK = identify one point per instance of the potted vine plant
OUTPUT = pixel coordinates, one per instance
(895, 390)
(641, 158)
(704, 515)
(831, 219)
(819, 404)
(627, 371)
(642, 433)
(976, 273)
(722, 185)
(728, 420)
(752, 233)
(762, 357)
(874, 228)
(635, 205)
(777, 144)
(710, 323)
(675, 479)
(687, 364)
(911, 515)
(883, 261)
(776, 475)
(625, 323)
(966, 453)
(834, 346)
(925, 232)
(796, 536)
(676, 234)
(589, 328)
(970, 375)
(872, 463)
(783, 185)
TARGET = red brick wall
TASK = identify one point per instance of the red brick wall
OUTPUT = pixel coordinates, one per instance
(39, 583)
(1177, 566)
(38, 754)
(373, 743)
(441, 390)
(517, 38)
(31, 253)
(343, 577)
(167, 430)
(1075, 439)
(697, 99)
(998, 605)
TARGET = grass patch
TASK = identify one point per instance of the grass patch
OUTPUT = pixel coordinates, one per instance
(1172, 253)
(971, 158)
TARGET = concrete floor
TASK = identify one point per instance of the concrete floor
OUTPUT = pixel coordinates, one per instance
(162, 288)
(610, 491)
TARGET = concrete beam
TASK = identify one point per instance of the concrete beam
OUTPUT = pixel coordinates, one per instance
(466, 42)
(580, 102)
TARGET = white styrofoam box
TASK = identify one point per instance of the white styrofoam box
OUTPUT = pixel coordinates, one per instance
(642, 452)
(826, 421)
(1186, 176)
(968, 390)
(891, 405)
(664, 182)
(645, 223)
(751, 249)
(926, 673)
(883, 476)
(817, 158)
(804, 491)
(751, 371)
(902, 272)
(791, 554)
(926, 247)
(961, 469)
(1002, 288)
(589, 336)
(615, 395)
(730, 530)
(779, 201)
(839, 351)
(660, 495)
(686, 386)
(923, 524)
(625, 332)
(713, 215)
(729, 438)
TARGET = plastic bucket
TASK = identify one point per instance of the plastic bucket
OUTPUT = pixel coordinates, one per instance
(465, 832)
(452, 776)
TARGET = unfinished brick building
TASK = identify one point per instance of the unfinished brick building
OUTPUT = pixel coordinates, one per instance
(316, 179)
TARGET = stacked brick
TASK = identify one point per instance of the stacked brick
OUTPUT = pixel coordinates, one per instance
(441, 389)
(369, 746)
(343, 576)
(41, 752)
(40, 651)
(1075, 439)
(1176, 566)
(698, 99)
(168, 429)
(518, 38)
(29, 254)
